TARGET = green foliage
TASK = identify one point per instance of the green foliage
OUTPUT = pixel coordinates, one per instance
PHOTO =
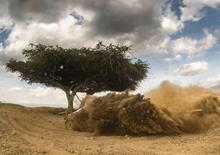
(89, 70)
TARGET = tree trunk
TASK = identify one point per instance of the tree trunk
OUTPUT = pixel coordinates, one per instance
(70, 98)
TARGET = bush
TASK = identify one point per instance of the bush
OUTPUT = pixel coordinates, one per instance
(122, 114)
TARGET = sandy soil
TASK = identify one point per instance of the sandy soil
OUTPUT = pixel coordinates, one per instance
(37, 131)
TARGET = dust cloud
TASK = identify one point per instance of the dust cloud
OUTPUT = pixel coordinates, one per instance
(168, 109)
(196, 109)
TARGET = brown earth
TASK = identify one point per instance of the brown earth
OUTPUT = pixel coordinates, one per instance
(38, 131)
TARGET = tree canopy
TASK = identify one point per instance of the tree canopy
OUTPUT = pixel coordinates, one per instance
(88, 70)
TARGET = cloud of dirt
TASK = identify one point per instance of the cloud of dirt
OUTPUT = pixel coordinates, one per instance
(171, 109)
(195, 108)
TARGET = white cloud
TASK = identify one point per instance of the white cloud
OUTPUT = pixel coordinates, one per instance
(192, 69)
(170, 22)
(189, 46)
(39, 96)
(175, 58)
(213, 81)
(63, 33)
(35, 96)
(5, 20)
(182, 45)
(193, 9)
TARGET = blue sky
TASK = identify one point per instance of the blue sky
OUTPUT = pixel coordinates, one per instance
(178, 38)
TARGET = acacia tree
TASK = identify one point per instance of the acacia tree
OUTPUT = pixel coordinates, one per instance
(87, 70)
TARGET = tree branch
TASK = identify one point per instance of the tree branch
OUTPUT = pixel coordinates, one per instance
(78, 98)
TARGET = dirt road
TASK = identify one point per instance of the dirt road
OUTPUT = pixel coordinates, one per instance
(37, 131)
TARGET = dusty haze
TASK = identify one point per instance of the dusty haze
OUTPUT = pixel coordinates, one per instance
(183, 102)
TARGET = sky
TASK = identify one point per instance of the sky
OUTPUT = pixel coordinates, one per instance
(180, 39)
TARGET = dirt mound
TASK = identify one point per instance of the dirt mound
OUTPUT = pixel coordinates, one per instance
(122, 114)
